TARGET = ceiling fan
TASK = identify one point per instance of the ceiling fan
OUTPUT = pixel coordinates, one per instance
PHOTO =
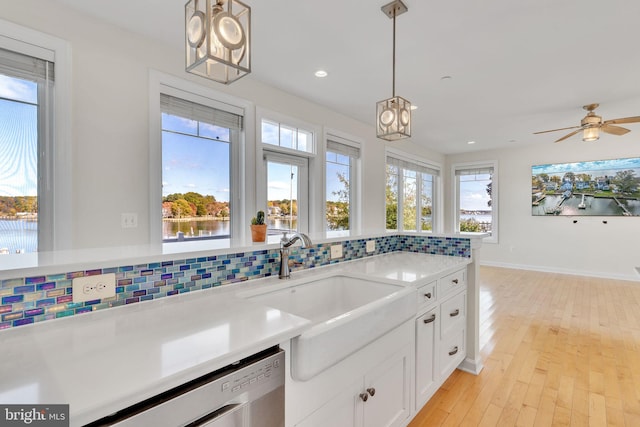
(592, 124)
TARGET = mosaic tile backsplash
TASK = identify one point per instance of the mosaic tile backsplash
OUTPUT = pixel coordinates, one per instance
(35, 299)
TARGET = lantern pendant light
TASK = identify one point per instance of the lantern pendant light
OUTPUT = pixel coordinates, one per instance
(217, 39)
(393, 115)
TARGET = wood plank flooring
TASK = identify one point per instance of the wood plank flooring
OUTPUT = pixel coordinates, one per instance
(558, 350)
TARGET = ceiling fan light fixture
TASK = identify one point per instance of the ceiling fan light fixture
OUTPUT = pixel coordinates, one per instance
(393, 115)
(217, 35)
(591, 134)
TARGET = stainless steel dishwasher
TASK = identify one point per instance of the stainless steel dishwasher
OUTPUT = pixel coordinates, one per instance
(249, 393)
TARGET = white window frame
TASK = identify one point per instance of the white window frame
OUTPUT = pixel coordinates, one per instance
(303, 190)
(355, 186)
(240, 173)
(55, 204)
(493, 237)
(314, 221)
(436, 208)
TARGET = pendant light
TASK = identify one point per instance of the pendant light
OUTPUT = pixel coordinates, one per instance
(217, 35)
(393, 115)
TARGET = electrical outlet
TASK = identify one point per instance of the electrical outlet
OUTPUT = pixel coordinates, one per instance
(129, 220)
(89, 288)
(336, 251)
(371, 246)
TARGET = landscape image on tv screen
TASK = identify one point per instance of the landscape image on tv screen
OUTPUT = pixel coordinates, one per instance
(597, 188)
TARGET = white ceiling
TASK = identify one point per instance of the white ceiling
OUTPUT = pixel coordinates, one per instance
(517, 66)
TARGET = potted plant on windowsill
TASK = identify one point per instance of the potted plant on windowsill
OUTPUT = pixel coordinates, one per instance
(258, 228)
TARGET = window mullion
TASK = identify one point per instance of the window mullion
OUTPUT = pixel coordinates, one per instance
(418, 201)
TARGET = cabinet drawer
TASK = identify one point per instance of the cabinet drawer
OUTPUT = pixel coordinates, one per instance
(453, 312)
(426, 296)
(452, 352)
(452, 282)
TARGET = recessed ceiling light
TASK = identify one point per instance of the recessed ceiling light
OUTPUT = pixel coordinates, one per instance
(446, 78)
(321, 73)
(471, 142)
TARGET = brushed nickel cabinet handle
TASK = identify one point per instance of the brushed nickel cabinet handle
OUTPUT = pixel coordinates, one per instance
(364, 396)
(454, 313)
(454, 351)
(371, 391)
(455, 281)
(430, 319)
(428, 295)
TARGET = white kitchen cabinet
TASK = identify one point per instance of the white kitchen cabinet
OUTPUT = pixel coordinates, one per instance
(426, 372)
(381, 398)
(440, 334)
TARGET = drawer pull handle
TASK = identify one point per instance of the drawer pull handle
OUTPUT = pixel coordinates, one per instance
(454, 351)
(364, 396)
(430, 319)
(454, 313)
(428, 295)
(455, 281)
(371, 391)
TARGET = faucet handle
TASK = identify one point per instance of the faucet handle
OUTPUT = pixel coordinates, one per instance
(283, 239)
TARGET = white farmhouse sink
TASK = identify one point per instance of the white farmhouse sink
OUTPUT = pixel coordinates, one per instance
(346, 313)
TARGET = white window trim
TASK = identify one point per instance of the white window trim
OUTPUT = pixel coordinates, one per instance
(437, 209)
(242, 176)
(315, 215)
(355, 181)
(59, 220)
(495, 225)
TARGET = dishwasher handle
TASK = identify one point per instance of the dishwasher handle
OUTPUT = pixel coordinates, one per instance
(232, 415)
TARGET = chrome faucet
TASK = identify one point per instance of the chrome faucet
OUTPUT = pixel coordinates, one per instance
(285, 244)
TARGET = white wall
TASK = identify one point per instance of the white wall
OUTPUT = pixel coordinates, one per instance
(110, 72)
(555, 243)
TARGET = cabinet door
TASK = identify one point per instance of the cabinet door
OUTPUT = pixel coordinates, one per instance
(343, 410)
(388, 389)
(427, 327)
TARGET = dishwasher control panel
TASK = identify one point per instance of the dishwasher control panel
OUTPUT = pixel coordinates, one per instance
(253, 375)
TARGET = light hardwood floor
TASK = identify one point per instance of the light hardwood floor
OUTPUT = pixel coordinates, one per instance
(558, 350)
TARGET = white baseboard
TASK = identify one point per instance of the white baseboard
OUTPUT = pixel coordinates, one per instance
(546, 269)
(471, 366)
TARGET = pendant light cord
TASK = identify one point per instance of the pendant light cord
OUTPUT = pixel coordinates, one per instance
(393, 81)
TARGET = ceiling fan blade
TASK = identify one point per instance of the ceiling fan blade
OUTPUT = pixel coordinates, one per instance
(635, 119)
(614, 130)
(569, 135)
(554, 130)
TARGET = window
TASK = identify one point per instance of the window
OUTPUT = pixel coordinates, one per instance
(284, 136)
(288, 152)
(198, 146)
(287, 178)
(26, 112)
(476, 201)
(410, 194)
(341, 164)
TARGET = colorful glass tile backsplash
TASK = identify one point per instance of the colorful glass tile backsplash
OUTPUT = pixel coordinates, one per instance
(35, 299)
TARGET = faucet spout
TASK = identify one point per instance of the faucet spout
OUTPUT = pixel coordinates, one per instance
(285, 244)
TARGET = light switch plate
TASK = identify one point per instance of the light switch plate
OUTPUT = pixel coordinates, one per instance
(89, 288)
(371, 246)
(336, 251)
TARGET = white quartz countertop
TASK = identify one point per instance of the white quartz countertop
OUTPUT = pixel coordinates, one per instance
(107, 360)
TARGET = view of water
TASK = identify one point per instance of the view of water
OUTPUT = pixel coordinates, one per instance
(213, 228)
(18, 235)
(593, 206)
